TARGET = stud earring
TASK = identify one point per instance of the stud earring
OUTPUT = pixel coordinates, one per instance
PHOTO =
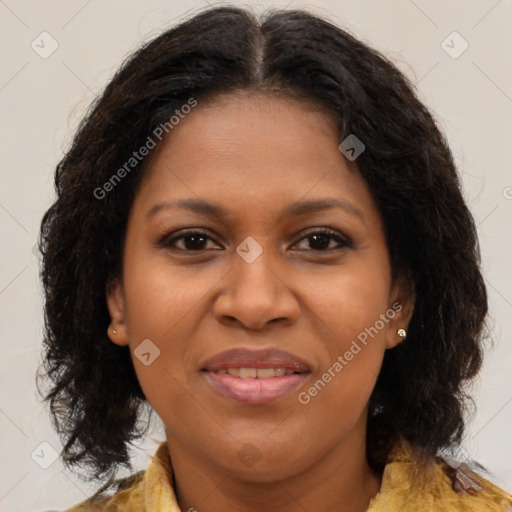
(114, 331)
(401, 333)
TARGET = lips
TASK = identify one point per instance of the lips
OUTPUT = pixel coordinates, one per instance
(255, 376)
(263, 358)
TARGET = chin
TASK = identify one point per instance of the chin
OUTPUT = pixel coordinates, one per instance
(266, 465)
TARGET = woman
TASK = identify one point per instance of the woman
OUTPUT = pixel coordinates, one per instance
(260, 233)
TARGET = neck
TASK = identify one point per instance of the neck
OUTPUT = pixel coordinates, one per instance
(340, 480)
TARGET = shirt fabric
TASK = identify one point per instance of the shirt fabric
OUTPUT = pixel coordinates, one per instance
(408, 485)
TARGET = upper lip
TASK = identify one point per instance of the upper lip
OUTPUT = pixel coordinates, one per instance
(261, 358)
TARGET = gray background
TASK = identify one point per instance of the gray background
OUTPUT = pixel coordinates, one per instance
(43, 97)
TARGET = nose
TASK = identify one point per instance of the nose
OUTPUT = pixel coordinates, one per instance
(256, 294)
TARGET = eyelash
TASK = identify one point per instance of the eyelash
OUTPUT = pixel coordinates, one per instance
(343, 241)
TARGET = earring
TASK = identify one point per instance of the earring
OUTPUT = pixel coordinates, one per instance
(114, 331)
(401, 333)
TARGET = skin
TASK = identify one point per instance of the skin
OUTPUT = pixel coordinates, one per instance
(254, 155)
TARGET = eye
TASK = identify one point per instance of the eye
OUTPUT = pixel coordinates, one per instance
(192, 241)
(321, 241)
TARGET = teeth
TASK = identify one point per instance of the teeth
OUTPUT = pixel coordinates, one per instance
(259, 373)
(235, 372)
(248, 373)
(266, 373)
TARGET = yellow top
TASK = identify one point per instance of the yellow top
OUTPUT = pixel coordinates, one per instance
(408, 485)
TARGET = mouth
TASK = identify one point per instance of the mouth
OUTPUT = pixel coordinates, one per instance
(255, 377)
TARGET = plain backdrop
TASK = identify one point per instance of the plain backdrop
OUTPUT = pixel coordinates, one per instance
(465, 78)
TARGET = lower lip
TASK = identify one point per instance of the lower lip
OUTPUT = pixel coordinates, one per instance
(255, 391)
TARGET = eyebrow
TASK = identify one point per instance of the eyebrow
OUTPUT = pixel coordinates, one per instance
(296, 209)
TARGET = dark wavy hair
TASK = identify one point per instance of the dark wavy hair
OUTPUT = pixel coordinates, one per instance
(94, 395)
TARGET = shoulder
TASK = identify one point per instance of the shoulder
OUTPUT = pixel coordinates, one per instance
(461, 489)
(474, 492)
(126, 497)
(411, 483)
(149, 489)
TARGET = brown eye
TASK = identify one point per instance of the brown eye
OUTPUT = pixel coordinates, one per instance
(192, 241)
(319, 241)
(322, 241)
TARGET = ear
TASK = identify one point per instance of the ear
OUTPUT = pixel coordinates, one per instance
(116, 309)
(402, 300)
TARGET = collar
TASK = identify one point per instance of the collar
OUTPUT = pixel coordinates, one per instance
(409, 483)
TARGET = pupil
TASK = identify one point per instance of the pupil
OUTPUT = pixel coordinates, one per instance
(322, 239)
(196, 244)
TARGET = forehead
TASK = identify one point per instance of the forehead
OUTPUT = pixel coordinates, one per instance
(243, 150)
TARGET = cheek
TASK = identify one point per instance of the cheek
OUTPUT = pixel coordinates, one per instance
(353, 346)
(165, 304)
(352, 309)
(160, 296)
(336, 400)
(349, 301)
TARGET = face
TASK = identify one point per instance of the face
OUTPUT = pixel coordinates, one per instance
(275, 261)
